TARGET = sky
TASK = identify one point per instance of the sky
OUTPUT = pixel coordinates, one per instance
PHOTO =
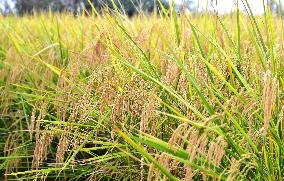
(226, 6)
(223, 6)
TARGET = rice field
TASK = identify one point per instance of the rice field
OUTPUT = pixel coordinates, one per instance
(154, 97)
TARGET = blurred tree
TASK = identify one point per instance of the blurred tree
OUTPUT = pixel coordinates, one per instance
(130, 7)
(25, 6)
(28, 6)
(5, 7)
(275, 6)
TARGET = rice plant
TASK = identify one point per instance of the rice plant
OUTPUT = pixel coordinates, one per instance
(165, 96)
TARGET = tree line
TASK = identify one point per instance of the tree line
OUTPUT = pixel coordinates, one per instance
(130, 7)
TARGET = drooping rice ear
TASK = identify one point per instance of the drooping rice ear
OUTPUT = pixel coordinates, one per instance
(147, 113)
(269, 96)
(62, 148)
(32, 123)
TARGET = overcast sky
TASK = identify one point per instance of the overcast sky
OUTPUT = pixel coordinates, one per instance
(222, 5)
